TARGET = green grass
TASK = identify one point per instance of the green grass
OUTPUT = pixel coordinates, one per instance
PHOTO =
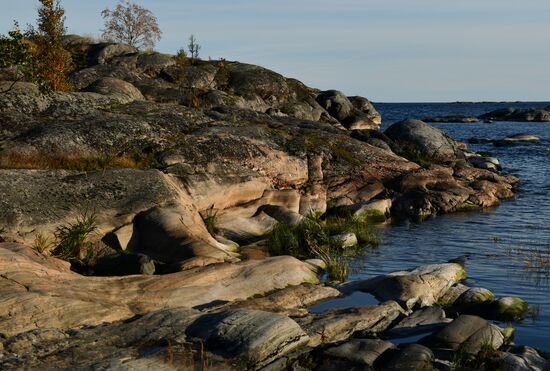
(345, 155)
(42, 243)
(72, 239)
(211, 220)
(314, 238)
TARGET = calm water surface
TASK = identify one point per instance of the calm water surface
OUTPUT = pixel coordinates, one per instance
(491, 238)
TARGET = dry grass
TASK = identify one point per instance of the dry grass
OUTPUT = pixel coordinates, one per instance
(533, 259)
(79, 162)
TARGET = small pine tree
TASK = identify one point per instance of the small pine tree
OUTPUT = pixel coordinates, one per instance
(181, 58)
(194, 48)
(53, 61)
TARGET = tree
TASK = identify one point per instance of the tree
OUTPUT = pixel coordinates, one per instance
(53, 61)
(194, 48)
(38, 55)
(131, 24)
(19, 62)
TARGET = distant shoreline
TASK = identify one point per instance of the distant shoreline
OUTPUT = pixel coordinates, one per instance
(467, 102)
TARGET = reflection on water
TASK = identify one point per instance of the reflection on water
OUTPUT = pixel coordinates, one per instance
(509, 246)
(356, 299)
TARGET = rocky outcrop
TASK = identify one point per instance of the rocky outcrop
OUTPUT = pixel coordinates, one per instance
(52, 317)
(40, 292)
(452, 119)
(185, 168)
(517, 114)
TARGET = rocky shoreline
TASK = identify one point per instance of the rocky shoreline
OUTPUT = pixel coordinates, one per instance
(186, 170)
(56, 318)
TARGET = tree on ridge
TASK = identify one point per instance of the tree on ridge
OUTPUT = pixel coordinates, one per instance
(131, 24)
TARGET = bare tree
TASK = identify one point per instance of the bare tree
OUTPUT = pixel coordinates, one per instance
(131, 24)
(194, 48)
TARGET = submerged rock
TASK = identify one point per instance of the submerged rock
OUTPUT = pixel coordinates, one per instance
(522, 138)
(508, 308)
(422, 286)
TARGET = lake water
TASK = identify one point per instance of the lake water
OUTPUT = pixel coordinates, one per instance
(508, 246)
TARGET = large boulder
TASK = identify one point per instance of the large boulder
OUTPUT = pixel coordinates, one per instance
(105, 52)
(252, 337)
(411, 357)
(419, 140)
(364, 105)
(112, 86)
(175, 234)
(340, 107)
(422, 286)
(468, 334)
(360, 351)
(341, 324)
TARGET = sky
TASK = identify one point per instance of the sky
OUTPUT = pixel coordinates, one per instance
(385, 50)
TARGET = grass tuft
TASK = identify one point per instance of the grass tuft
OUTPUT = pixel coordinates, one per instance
(42, 243)
(314, 238)
(72, 239)
(211, 220)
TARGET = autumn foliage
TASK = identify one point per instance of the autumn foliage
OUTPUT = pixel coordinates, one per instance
(53, 62)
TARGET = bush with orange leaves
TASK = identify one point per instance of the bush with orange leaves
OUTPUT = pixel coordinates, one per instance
(53, 62)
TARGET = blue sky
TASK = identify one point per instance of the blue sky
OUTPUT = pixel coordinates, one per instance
(386, 50)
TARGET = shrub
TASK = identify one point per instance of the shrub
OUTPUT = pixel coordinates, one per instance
(72, 239)
(53, 61)
(15, 52)
(181, 58)
(42, 243)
